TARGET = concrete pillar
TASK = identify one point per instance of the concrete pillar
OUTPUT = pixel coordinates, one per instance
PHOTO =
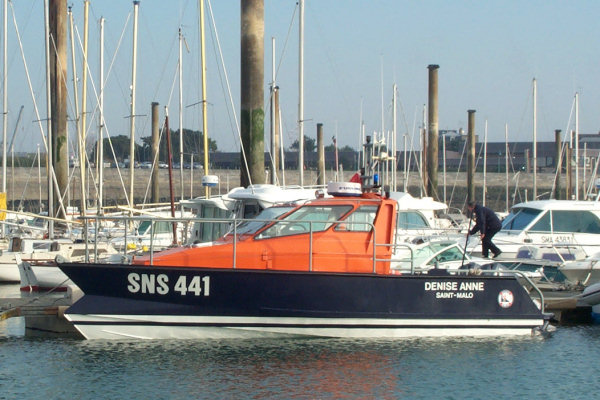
(558, 161)
(527, 161)
(432, 145)
(471, 157)
(320, 155)
(155, 153)
(252, 96)
(58, 98)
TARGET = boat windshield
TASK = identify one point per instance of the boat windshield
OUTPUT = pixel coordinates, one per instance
(519, 219)
(306, 219)
(264, 218)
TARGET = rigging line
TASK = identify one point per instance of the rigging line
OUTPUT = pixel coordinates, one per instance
(328, 52)
(161, 132)
(102, 86)
(229, 90)
(22, 198)
(410, 154)
(287, 38)
(112, 61)
(154, 161)
(64, 79)
(290, 26)
(224, 91)
(462, 154)
(37, 113)
(27, 18)
(562, 149)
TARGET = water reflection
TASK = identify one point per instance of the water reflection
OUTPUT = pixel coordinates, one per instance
(304, 368)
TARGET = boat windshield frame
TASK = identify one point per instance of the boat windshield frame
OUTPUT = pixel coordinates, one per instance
(524, 216)
(264, 219)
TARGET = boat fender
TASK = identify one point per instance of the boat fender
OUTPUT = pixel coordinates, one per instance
(60, 259)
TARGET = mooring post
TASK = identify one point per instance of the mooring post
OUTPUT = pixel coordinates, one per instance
(432, 145)
(252, 96)
(320, 155)
(471, 157)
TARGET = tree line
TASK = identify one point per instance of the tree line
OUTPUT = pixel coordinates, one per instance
(193, 143)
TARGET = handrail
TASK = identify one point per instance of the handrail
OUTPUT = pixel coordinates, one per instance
(234, 221)
(394, 245)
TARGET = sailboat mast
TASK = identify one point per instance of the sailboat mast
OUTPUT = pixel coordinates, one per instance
(180, 65)
(534, 139)
(394, 134)
(100, 143)
(577, 146)
(204, 101)
(506, 162)
(49, 156)
(136, 5)
(39, 177)
(485, 135)
(5, 96)
(82, 138)
(301, 92)
(444, 163)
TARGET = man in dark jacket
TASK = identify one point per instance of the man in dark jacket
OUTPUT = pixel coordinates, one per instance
(488, 224)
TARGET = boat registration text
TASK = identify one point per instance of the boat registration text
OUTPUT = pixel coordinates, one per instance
(159, 284)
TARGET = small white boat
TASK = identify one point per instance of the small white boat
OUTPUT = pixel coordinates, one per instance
(584, 272)
(570, 227)
(41, 276)
(47, 250)
(591, 295)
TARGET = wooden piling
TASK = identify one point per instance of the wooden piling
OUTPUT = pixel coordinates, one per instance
(320, 155)
(58, 99)
(432, 146)
(471, 157)
(252, 96)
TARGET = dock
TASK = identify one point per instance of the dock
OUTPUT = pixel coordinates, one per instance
(566, 307)
(43, 313)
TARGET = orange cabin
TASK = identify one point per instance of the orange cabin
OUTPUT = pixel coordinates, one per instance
(305, 237)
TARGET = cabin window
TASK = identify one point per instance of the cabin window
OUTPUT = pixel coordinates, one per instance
(299, 221)
(251, 210)
(205, 231)
(520, 219)
(159, 227)
(360, 220)
(575, 222)
(543, 224)
(411, 220)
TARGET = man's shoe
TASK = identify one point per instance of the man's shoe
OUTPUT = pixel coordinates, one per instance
(497, 254)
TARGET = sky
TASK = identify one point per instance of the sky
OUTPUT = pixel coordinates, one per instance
(489, 52)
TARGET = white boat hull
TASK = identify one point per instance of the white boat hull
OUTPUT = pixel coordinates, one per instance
(170, 327)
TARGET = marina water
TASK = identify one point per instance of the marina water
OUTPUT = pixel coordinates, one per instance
(562, 365)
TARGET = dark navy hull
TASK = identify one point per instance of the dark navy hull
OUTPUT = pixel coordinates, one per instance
(158, 302)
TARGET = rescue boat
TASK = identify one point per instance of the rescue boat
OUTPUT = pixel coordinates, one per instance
(321, 268)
